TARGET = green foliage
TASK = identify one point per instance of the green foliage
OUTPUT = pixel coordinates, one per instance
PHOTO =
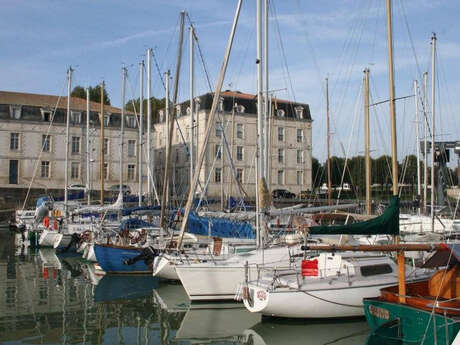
(155, 103)
(94, 94)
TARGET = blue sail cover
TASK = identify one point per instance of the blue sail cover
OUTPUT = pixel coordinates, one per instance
(220, 227)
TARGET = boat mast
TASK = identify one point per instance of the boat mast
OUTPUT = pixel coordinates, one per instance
(419, 187)
(141, 128)
(366, 142)
(394, 152)
(101, 153)
(88, 150)
(67, 131)
(433, 82)
(209, 126)
(260, 110)
(170, 129)
(266, 100)
(122, 128)
(149, 127)
(425, 122)
(192, 115)
(328, 136)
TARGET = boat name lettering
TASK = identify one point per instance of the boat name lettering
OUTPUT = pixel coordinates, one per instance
(379, 312)
(261, 295)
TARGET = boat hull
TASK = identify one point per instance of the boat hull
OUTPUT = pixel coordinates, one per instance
(414, 323)
(49, 238)
(321, 303)
(111, 259)
(164, 268)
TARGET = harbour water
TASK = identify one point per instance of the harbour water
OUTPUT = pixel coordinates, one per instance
(51, 299)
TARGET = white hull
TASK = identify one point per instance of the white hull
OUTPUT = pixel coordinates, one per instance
(327, 303)
(49, 238)
(221, 280)
(164, 268)
(88, 252)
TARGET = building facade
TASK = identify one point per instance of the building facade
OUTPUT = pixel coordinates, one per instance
(33, 145)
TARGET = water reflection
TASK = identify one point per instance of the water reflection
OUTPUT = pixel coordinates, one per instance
(52, 299)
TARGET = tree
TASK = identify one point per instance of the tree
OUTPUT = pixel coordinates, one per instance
(155, 103)
(94, 93)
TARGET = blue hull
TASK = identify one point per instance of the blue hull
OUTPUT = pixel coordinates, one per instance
(111, 259)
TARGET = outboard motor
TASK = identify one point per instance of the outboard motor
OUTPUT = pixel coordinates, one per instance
(147, 254)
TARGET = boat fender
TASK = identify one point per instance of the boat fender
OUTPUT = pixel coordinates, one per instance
(310, 268)
(46, 222)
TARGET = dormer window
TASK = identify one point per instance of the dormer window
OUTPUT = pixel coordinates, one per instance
(46, 115)
(15, 111)
(197, 103)
(240, 108)
(106, 120)
(188, 111)
(162, 115)
(75, 117)
(221, 104)
(299, 112)
(130, 121)
(178, 111)
(280, 112)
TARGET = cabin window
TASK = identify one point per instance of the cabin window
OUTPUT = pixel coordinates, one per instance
(373, 270)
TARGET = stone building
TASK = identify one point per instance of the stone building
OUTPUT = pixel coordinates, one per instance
(33, 139)
(290, 145)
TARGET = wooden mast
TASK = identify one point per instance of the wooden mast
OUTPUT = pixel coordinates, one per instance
(394, 152)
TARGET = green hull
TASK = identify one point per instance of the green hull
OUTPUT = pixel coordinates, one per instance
(393, 323)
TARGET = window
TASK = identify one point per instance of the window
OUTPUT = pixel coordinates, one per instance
(299, 112)
(218, 151)
(131, 148)
(218, 175)
(131, 121)
(178, 111)
(46, 115)
(45, 169)
(280, 177)
(75, 170)
(106, 120)
(106, 146)
(239, 130)
(15, 112)
(299, 135)
(240, 108)
(221, 104)
(106, 171)
(280, 134)
(131, 172)
(280, 155)
(177, 155)
(299, 157)
(239, 175)
(75, 145)
(280, 112)
(46, 143)
(14, 141)
(239, 153)
(299, 178)
(218, 129)
(373, 270)
(75, 117)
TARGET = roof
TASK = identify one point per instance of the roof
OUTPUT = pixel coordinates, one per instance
(50, 101)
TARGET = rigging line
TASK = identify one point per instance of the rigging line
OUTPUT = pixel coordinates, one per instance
(158, 69)
(43, 145)
(203, 62)
(283, 52)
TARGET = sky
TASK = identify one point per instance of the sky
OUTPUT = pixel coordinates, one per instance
(309, 41)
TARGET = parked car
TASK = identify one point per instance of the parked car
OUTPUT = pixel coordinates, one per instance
(116, 188)
(282, 194)
(305, 194)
